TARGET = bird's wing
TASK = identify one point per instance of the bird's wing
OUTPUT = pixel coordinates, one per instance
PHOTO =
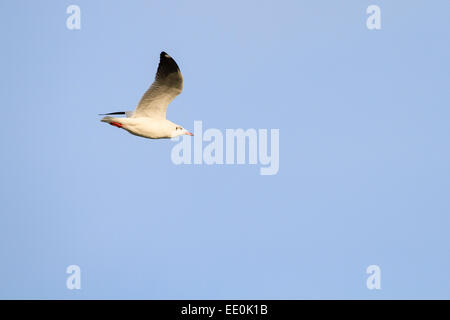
(167, 85)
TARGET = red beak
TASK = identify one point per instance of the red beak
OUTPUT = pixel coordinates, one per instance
(189, 134)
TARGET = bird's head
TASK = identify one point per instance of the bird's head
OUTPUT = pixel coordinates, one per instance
(179, 130)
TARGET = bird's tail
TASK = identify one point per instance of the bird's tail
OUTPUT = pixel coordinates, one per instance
(107, 119)
(117, 122)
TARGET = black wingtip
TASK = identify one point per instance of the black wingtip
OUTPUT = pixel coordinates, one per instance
(167, 65)
(111, 113)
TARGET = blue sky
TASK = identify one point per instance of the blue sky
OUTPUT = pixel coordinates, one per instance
(364, 151)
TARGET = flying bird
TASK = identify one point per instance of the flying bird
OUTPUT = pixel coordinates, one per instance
(149, 118)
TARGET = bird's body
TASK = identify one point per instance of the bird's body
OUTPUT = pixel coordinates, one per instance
(146, 127)
(149, 118)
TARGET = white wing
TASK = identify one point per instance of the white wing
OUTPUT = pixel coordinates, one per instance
(167, 85)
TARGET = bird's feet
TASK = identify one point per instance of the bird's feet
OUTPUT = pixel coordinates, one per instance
(116, 124)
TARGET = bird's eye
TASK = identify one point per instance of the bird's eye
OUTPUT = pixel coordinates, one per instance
(178, 128)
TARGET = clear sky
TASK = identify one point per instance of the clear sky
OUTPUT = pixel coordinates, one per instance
(364, 176)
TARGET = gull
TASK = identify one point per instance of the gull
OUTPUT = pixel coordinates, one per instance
(149, 118)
